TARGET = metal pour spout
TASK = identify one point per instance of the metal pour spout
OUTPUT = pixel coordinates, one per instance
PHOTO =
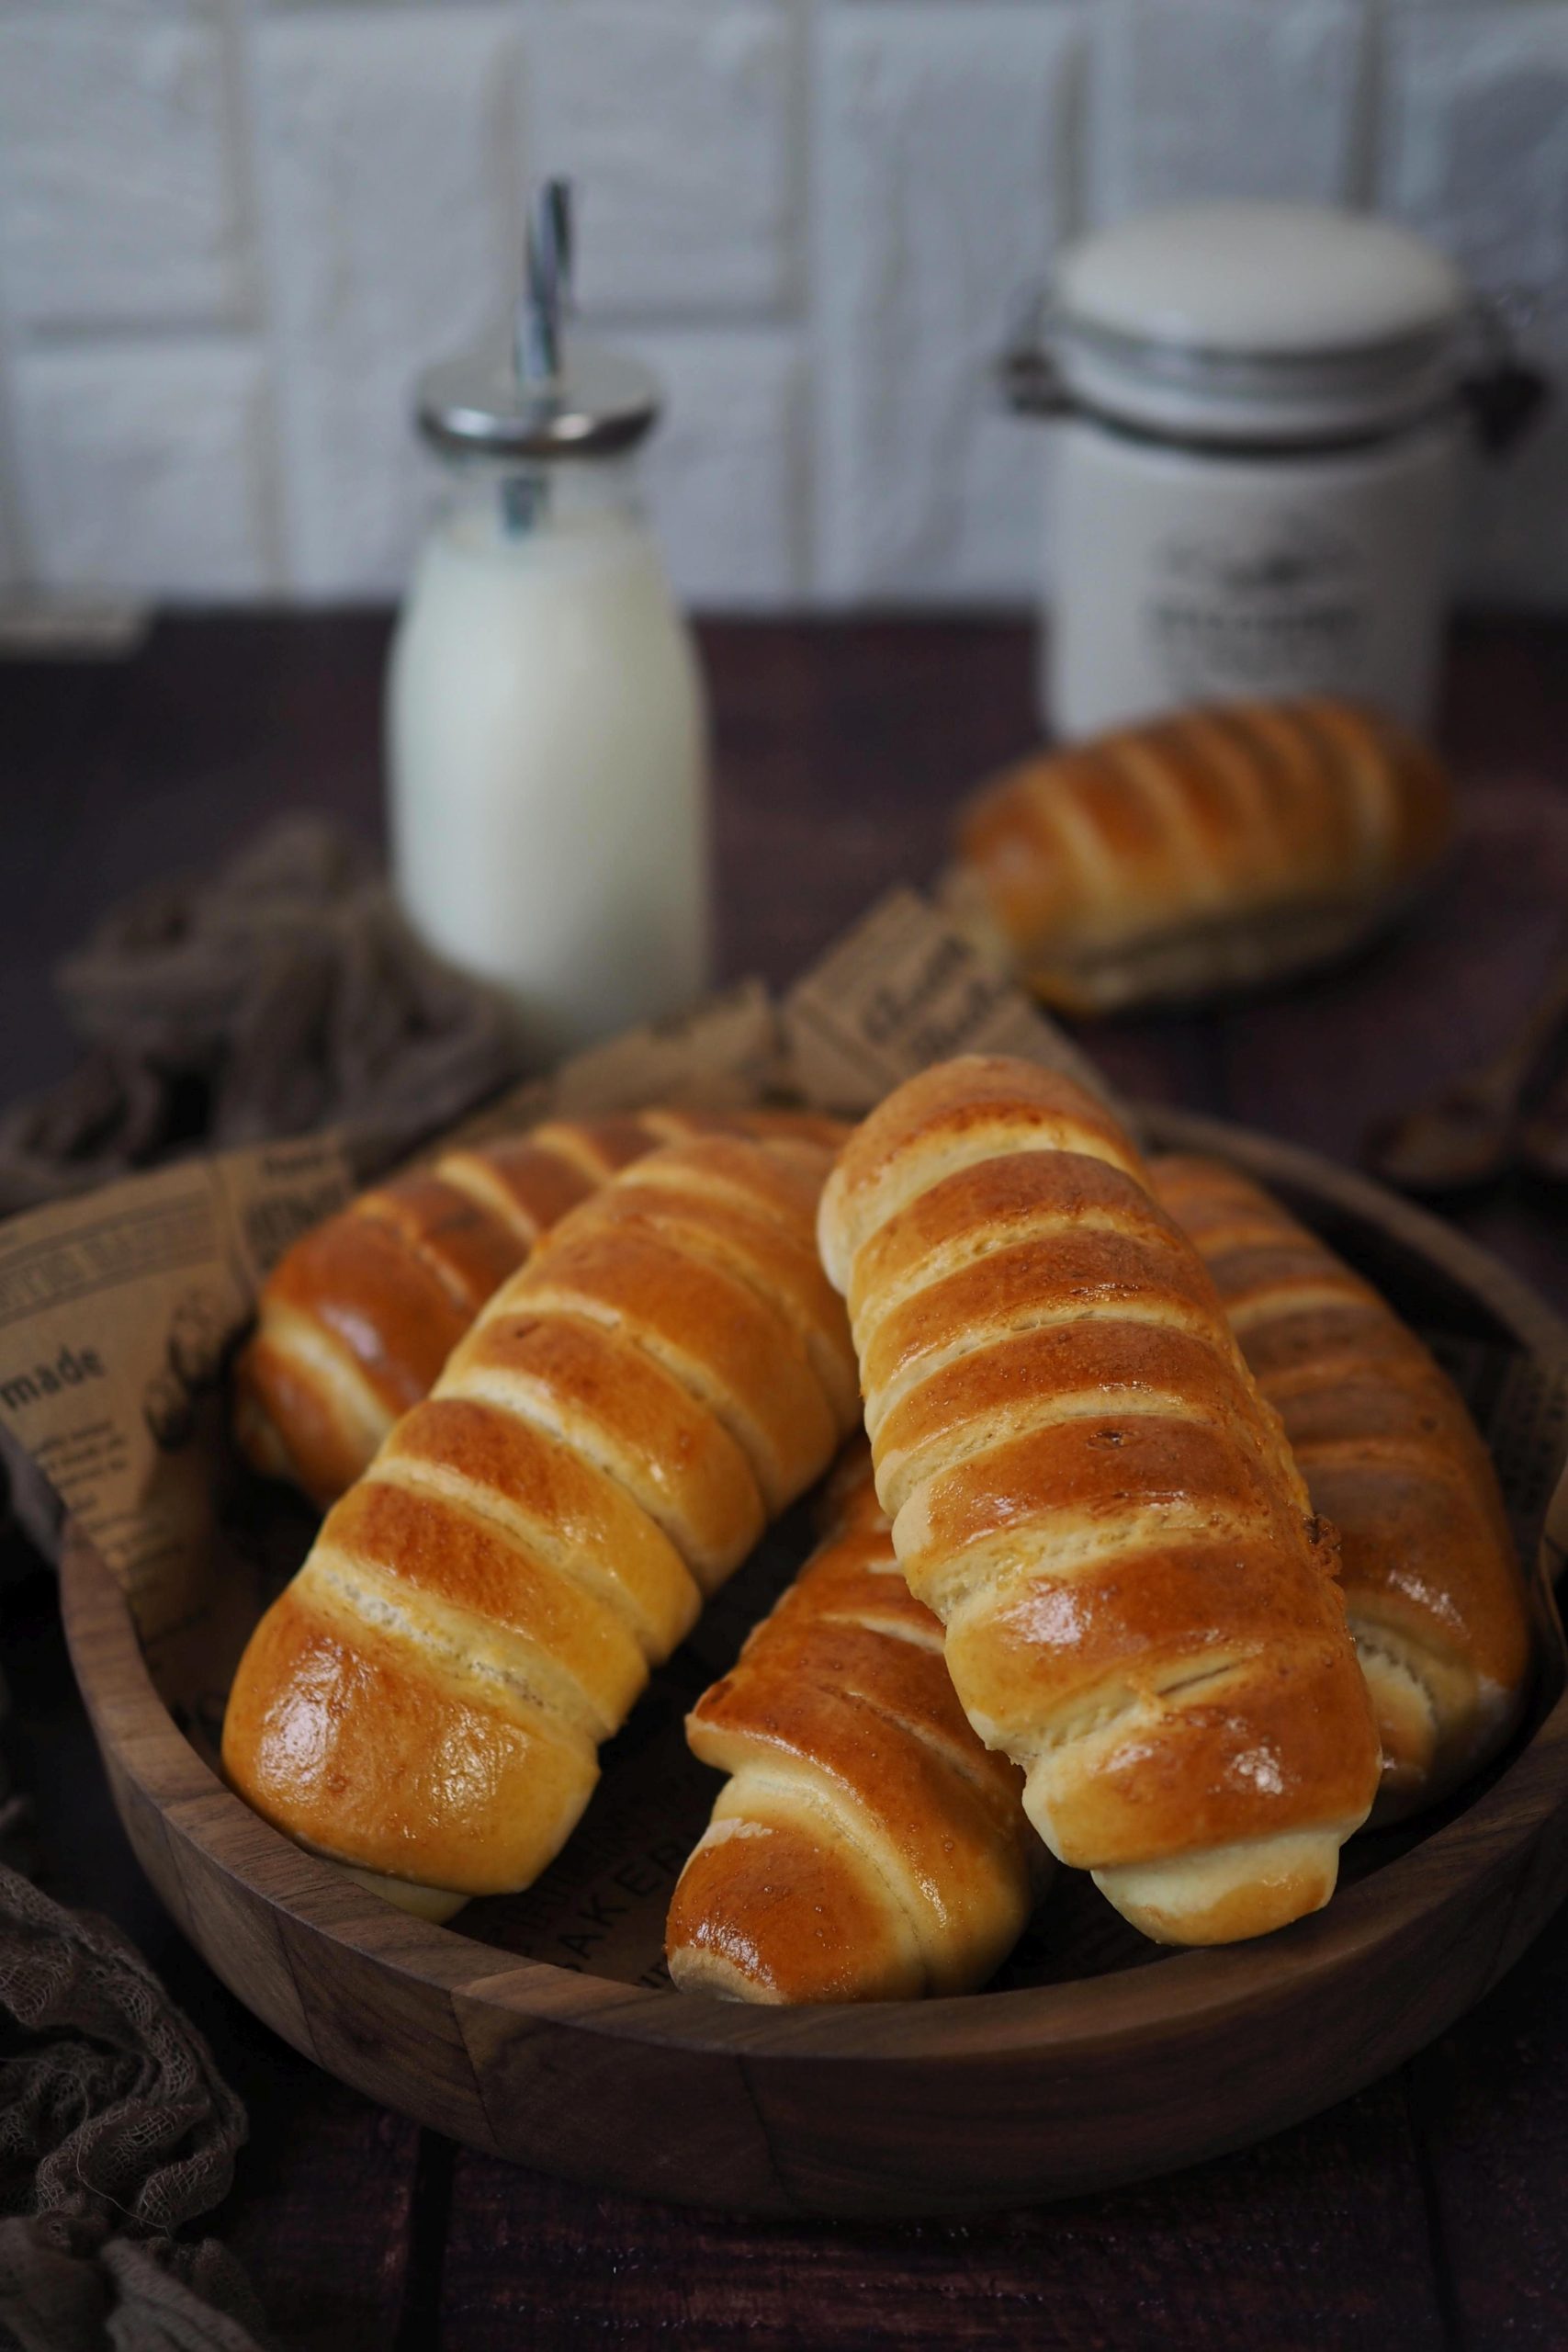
(547, 285)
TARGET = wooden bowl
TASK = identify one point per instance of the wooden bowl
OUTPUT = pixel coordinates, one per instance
(1098, 2060)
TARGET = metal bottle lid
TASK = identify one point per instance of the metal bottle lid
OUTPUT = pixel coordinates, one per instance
(548, 393)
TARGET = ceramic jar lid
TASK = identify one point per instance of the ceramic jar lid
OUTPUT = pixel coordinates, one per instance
(1257, 321)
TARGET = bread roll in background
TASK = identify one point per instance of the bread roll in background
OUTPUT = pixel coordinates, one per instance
(1432, 1586)
(425, 1700)
(1216, 849)
(866, 1847)
(355, 1321)
(1088, 1491)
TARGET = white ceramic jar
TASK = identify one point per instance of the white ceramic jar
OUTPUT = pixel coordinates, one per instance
(546, 721)
(1255, 432)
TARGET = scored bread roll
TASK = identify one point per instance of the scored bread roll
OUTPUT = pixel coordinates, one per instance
(1087, 1489)
(425, 1700)
(355, 1322)
(867, 1848)
(1218, 848)
(1432, 1587)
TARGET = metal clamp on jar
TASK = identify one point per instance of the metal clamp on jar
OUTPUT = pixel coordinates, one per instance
(1260, 410)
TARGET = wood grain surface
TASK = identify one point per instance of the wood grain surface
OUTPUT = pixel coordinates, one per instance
(1427, 2211)
(1092, 2067)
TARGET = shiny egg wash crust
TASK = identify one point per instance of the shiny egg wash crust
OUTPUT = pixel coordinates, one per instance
(1092, 1495)
(357, 1320)
(1168, 856)
(866, 1847)
(1432, 1587)
(481, 1609)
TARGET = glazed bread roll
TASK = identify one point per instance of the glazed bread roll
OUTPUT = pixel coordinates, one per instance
(1216, 849)
(425, 1700)
(1087, 1489)
(848, 1494)
(1432, 1587)
(867, 1848)
(355, 1321)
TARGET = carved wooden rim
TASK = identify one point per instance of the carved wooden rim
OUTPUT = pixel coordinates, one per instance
(1403, 1902)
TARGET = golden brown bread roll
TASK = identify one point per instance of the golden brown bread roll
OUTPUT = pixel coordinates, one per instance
(867, 1846)
(1088, 1491)
(424, 1701)
(1215, 849)
(355, 1321)
(1432, 1587)
(848, 1494)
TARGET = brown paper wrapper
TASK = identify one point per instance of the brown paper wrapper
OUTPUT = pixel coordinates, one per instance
(902, 991)
(120, 1312)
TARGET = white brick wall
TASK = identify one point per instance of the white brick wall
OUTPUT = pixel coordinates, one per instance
(232, 231)
(678, 117)
(145, 466)
(388, 191)
(944, 178)
(1476, 154)
(1223, 98)
(118, 197)
(726, 474)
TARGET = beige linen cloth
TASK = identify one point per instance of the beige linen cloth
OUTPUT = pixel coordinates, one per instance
(281, 994)
(116, 2129)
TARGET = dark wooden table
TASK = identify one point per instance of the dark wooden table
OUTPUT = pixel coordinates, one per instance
(1430, 2212)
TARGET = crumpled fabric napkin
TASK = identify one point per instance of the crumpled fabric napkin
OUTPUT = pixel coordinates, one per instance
(116, 2129)
(282, 993)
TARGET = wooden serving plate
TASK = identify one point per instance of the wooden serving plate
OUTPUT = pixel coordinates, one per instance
(1097, 2060)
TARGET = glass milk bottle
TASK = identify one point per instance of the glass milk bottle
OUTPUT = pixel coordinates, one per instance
(546, 717)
